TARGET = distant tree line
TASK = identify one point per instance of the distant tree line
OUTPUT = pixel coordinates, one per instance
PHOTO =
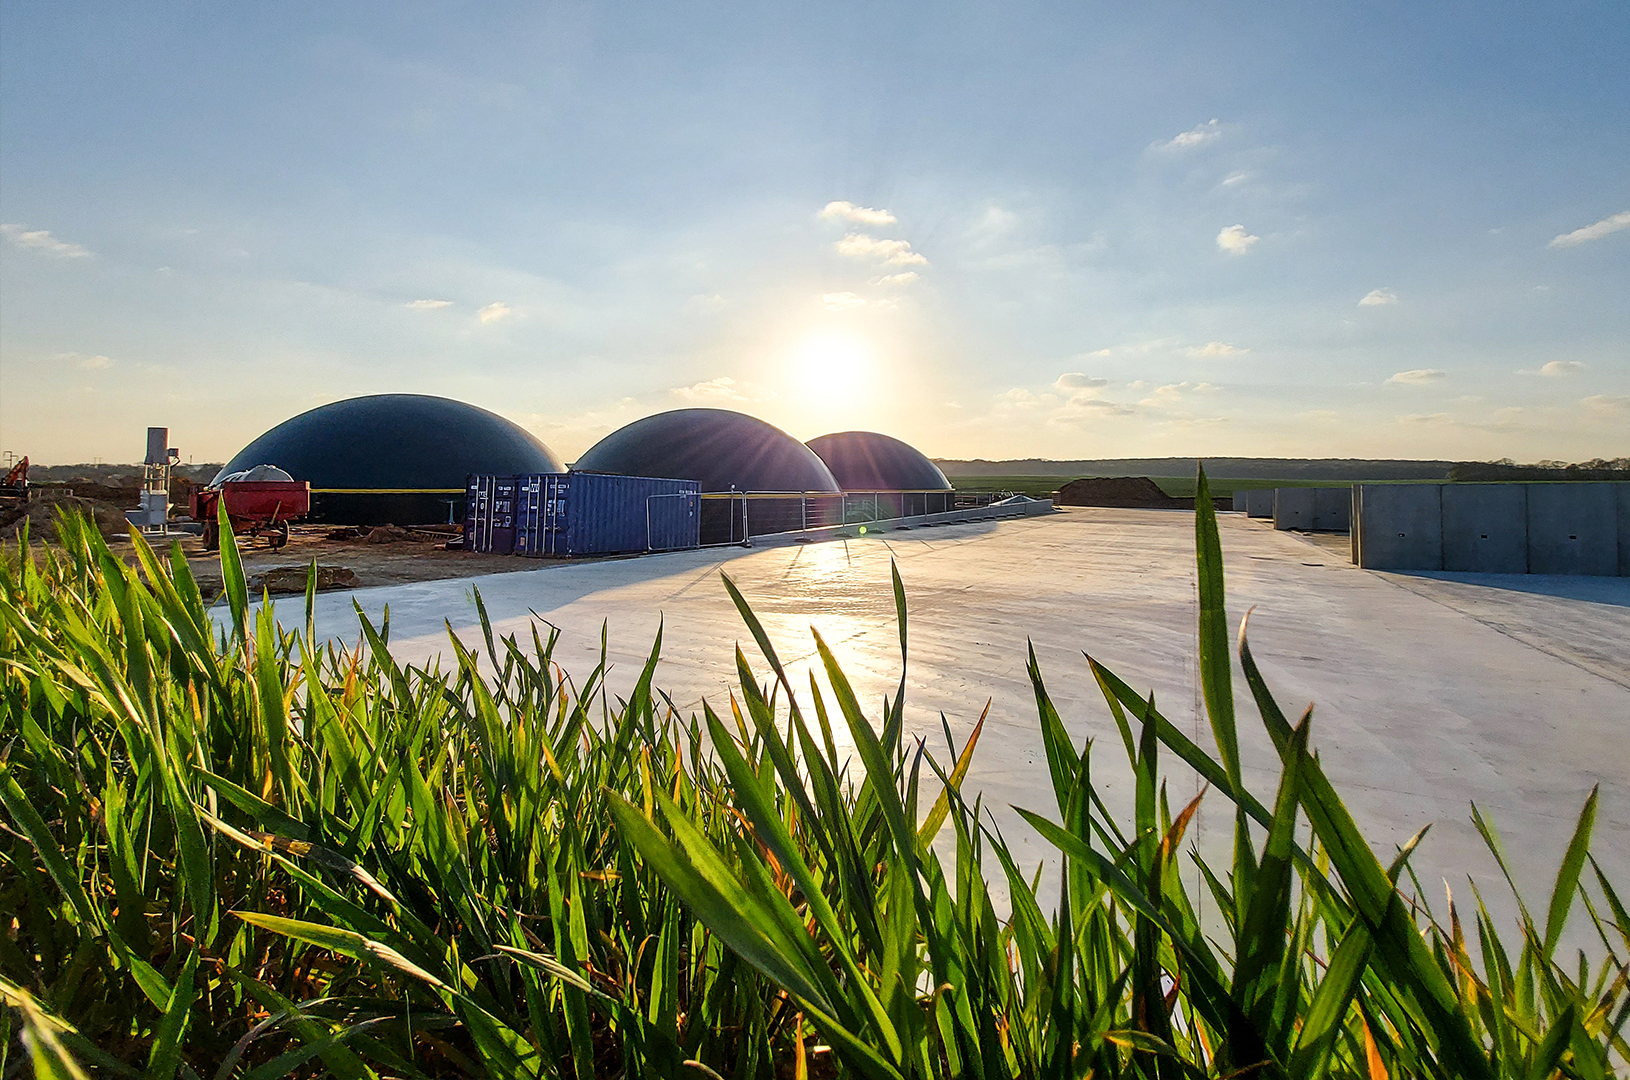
(1506, 469)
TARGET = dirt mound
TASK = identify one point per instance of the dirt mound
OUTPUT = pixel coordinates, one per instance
(389, 534)
(292, 579)
(1123, 491)
(41, 515)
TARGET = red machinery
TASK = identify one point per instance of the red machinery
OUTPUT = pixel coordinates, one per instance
(14, 492)
(255, 508)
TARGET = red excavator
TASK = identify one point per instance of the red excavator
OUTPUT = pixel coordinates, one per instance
(14, 492)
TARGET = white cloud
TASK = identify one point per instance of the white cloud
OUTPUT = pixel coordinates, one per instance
(723, 388)
(1172, 393)
(842, 301)
(1235, 240)
(1593, 232)
(1085, 408)
(429, 305)
(1212, 349)
(1419, 376)
(1234, 179)
(888, 252)
(493, 312)
(1194, 136)
(42, 240)
(1377, 297)
(1614, 403)
(1557, 369)
(860, 215)
(899, 280)
(95, 363)
(1075, 380)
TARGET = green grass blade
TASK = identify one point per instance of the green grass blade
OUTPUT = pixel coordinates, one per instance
(233, 584)
(1567, 876)
(1216, 677)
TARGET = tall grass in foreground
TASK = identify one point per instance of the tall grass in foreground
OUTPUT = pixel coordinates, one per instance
(245, 853)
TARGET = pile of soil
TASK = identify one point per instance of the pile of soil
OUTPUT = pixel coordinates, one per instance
(41, 515)
(1130, 492)
(389, 534)
(281, 580)
(1127, 491)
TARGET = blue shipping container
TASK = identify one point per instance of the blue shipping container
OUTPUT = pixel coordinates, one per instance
(540, 514)
(489, 514)
(602, 514)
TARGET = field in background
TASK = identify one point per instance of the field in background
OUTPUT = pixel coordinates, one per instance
(1040, 487)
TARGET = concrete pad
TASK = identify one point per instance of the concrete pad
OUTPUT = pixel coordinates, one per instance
(1573, 528)
(1400, 526)
(1485, 528)
(1428, 697)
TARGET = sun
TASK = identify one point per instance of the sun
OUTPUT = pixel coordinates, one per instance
(832, 367)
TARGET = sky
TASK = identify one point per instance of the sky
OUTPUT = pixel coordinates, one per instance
(994, 230)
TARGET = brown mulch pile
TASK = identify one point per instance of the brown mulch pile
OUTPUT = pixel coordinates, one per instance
(281, 580)
(389, 534)
(1126, 491)
(1130, 492)
(41, 516)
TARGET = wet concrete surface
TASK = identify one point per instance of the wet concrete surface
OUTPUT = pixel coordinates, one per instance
(1430, 692)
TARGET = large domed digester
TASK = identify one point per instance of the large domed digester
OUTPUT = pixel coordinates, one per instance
(394, 458)
(717, 448)
(868, 461)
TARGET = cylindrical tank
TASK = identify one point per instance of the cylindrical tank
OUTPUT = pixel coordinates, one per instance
(717, 448)
(868, 461)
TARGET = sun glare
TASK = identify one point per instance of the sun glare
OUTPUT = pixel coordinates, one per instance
(831, 367)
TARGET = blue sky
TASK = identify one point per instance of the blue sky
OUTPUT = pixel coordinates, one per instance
(995, 230)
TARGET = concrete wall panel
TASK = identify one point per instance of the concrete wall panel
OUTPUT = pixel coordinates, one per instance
(1624, 530)
(1352, 523)
(1485, 528)
(1239, 502)
(1573, 529)
(1400, 526)
(1293, 508)
(1332, 508)
(1259, 503)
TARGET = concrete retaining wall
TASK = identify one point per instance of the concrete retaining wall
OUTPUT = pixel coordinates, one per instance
(1239, 502)
(1259, 503)
(1485, 528)
(1624, 530)
(1400, 526)
(1573, 529)
(1332, 508)
(1325, 509)
(1557, 528)
(1293, 508)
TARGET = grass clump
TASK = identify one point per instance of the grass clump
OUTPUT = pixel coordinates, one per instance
(239, 851)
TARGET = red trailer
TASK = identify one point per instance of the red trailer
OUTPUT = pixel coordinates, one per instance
(255, 508)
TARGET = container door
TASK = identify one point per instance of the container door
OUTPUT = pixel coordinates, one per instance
(673, 521)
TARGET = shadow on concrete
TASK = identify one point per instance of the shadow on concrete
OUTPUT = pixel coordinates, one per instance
(1592, 590)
